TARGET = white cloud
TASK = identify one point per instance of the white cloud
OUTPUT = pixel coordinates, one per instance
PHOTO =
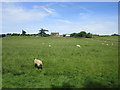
(106, 27)
(16, 17)
(17, 14)
(63, 21)
(46, 9)
(49, 10)
(13, 13)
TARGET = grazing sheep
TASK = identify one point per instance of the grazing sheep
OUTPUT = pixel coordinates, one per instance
(38, 63)
(49, 45)
(107, 44)
(78, 46)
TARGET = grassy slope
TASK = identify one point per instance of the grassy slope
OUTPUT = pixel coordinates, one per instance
(65, 65)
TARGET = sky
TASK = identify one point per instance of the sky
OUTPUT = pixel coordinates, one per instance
(63, 17)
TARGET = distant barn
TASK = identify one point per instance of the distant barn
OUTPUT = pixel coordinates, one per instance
(54, 33)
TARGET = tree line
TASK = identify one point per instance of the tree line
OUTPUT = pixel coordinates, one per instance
(42, 33)
(82, 34)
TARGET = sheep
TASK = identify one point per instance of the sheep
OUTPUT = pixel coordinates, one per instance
(38, 63)
(107, 44)
(49, 45)
(78, 46)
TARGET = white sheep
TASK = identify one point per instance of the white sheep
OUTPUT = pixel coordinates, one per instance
(38, 63)
(107, 44)
(49, 45)
(78, 46)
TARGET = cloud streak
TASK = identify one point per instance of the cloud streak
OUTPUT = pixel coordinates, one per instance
(20, 15)
(64, 21)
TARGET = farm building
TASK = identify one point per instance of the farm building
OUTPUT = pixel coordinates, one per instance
(59, 36)
(54, 33)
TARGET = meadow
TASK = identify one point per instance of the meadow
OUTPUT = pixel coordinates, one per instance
(93, 65)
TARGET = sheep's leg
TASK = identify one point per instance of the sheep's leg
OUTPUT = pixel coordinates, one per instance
(35, 65)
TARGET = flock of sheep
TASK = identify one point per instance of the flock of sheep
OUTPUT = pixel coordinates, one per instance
(107, 44)
(39, 64)
(80, 46)
(51, 45)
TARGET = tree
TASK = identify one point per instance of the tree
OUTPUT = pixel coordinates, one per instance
(72, 35)
(23, 32)
(88, 35)
(81, 34)
(3, 35)
(42, 32)
(115, 35)
(9, 34)
(15, 34)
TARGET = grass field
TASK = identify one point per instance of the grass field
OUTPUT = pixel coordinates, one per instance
(94, 65)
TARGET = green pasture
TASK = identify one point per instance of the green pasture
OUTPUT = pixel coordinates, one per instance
(93, 65)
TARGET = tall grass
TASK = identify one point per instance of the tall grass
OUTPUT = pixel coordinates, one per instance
(65, 65)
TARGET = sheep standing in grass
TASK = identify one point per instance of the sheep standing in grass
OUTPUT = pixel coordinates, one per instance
(78, 46)
(49, 45)
(107, 44)
(38, 63)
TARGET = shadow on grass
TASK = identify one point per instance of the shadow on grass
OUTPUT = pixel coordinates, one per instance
(88, 84)
(66, 86)
(94, 84)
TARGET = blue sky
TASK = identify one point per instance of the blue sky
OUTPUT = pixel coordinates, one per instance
(62, 17)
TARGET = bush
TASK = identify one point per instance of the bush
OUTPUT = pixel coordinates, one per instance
(89, 35)
(114, 35)
(72, 35)
(82, 34)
